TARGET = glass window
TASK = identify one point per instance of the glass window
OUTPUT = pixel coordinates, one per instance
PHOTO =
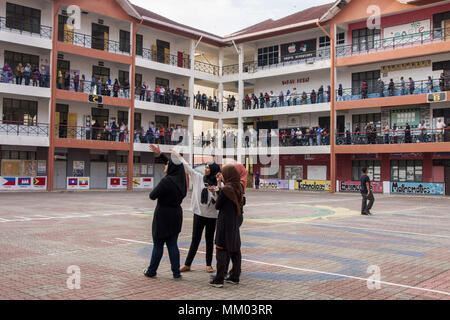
(324, 42)
(340, 38)
(364, 39)
(14, 58)
(100, 72)
(371, 77)
(139, 44)
(268, 56)
(373, 166)
(123, 75)
(23, 18)
(20, 111)
(124, 41)
(406, 170)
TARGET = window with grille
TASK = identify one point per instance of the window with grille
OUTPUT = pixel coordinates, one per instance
(373, 166)
(406, 170)
(366, 39)
(20, 111)
(268, 56)
(23, 18)
(324, 42)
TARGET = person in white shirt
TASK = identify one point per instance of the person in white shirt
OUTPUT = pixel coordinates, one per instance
(203, 206)
(440, 126)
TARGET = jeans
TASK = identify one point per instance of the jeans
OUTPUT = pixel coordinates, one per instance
(223, 257)
(366, 197)
(319, 140)
(158, 250)
(201, 223)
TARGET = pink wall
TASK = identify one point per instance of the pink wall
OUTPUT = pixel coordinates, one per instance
(398, 19)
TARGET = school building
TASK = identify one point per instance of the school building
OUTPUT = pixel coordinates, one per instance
(380, 71)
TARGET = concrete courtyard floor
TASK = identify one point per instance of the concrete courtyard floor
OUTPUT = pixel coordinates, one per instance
(295, 246)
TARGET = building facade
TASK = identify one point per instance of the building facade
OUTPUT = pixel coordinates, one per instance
(85, 88)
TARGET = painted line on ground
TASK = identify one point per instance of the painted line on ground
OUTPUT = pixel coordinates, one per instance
(313, 271)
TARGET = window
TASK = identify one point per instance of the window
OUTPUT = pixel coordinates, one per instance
(139, 44)
(373, 166)
(340, 39)
(23, 18)
(324, 42)
(124, 42)
(362, 119)
(268, 56)
(20, 111)
(366, 39)
(138, 80)
(122, 117)
(18, 155)
(371, 77)
(123, 75)
(137, 121)
(14, 58)
(100, 72)
(161, 121)
(406, 170)
(159, 82)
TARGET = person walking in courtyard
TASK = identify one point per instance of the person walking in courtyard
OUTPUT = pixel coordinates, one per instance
(168, 217)
(366, 193)
(228, 240)
(203, 202)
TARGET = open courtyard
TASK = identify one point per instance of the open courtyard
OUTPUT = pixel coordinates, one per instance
(294, 245)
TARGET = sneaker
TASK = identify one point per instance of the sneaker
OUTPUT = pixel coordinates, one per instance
(364, 214)
(216, 285)
(228, 280)
(178, 277)
(148, 275)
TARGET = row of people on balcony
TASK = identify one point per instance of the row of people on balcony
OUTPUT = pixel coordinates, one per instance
(165, 95)
(26, 75)
(395, 135)
(403, 87)
(270, 100)
(160, 135)
(203, 102)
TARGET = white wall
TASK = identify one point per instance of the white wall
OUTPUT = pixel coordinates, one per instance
(175, 81)
(177, 43)
(174, 119)
(43, 5)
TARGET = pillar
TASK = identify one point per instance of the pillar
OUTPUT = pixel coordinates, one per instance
(333, 111)
(131, 112)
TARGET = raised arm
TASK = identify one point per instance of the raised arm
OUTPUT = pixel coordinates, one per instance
(191, 171)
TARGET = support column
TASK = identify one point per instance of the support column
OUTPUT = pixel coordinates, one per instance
(241, 105)
(240, 149)
(333, 110)
(52, 118)
(131, 113)
(220, 97)
(220, 134)
(191, 139)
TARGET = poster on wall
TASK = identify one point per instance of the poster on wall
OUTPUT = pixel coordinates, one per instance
(355, 186)
(78, 183)
(41, 167)
(407, 33)
(272, 184)
(313, 185)
(112, 168)
(122, 169)
(418, 188)
(143, 183)
(144, 170)
(78, 168)
(298, 50)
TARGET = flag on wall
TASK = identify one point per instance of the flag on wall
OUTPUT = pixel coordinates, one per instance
(115, 181)
(39, 181)
(8, 181)
(24, 182)
(84, 182)
(73, 182)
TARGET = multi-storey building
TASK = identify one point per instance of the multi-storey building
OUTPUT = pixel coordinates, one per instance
(69, 125)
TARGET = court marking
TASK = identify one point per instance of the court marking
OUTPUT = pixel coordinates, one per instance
(313, 271)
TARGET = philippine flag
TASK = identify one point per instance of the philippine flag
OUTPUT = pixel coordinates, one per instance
(84, 182)
(24, 182)
(73, 182)
(39, 181)
(115, 181)
(8, 181)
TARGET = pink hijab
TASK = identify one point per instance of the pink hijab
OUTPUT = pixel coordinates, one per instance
(242, 173)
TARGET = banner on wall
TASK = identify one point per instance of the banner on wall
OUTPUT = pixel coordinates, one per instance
(298, 50)
(418, 188)
(355, 186)
(23, 183)
(313, 185)
(143, 183)
(406, 33)
(272, 184)
(78, 183)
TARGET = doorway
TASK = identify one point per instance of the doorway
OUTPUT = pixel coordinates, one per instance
(163, 51)
(100, 37)
(324, 122)
(65, 31)
(99, 173)
(60, 178)
(340, 125)
(62, 115)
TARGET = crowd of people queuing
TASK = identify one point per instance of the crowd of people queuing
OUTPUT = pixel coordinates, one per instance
(290, 98)
(394, 135)
(26, 75)
(203, 102)
(217, 202)
(160, 135)
(97, 131)
(403, 87)
(161, 94)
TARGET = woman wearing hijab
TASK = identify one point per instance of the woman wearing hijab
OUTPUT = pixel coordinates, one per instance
(228, 239)
(168, 217)
(203, 202)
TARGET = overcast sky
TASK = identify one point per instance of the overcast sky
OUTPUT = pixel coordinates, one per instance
(223, 17)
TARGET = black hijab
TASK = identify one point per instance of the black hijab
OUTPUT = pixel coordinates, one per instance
(177, 175)
(209, 180)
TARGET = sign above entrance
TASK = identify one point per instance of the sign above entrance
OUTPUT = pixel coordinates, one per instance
(95, 99)
(294, 81)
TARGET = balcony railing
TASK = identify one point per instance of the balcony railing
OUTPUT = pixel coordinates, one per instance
(206, 104)
(206, 68)
(285, 101)
(402, 41)
(24, 27)
(87, 41)
(231, 69)
(35, 79)
(169, 98)
(398, 89)
(91, 87)
(92, 133)
(393, 136)
(14, 128)
(166, 59)
(175, 138)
